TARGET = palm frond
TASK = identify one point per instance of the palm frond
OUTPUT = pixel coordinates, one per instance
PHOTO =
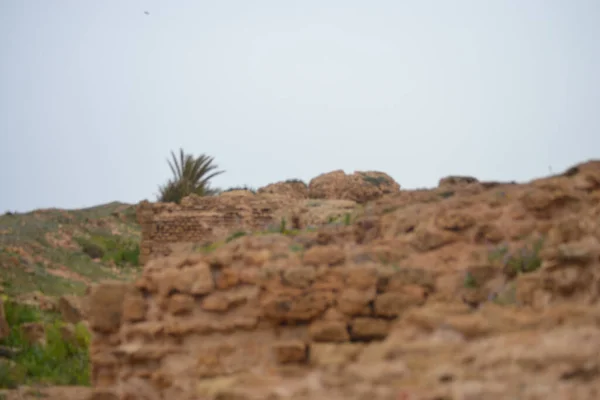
(190, 175)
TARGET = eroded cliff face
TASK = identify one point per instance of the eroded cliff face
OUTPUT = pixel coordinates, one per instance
(468, 291)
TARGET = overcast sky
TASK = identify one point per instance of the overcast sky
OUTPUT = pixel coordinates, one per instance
(95, 94)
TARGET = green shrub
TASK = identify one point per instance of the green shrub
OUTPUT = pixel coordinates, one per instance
(109, 247)
(282, 224)
(122, 252)
(208, 247)
(59, 362)
(526, 259)
(245, 187)
(18, 314)
(296, 181)
(235, 235)
(90, 248)
(347, 219)
(469, 281)
(375, 180)
(296, 248)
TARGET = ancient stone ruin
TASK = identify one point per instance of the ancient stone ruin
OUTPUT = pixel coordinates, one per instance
(167, 227)
(201, 219)
(472, 290)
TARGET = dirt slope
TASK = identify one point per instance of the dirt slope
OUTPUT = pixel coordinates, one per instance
(43, 250)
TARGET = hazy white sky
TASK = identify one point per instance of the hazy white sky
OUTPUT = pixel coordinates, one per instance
(95, 94)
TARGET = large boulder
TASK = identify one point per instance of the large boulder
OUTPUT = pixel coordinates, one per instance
(359, 186)
(292, 188)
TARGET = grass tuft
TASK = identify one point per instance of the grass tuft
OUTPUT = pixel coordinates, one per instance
(524, 260)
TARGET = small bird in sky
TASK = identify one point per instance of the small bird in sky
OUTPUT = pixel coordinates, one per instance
(146, 12)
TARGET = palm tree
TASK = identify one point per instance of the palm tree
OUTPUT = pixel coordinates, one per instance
(190, 175)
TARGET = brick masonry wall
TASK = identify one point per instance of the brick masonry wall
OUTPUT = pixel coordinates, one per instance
(201, 220)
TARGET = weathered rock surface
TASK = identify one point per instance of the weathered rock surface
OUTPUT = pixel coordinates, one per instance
(72, 308)
(359, 186)
(295, 189)
(467, 291)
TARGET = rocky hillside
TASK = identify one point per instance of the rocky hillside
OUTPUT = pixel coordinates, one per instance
(472, 290)
(56, 252)
(48, 259)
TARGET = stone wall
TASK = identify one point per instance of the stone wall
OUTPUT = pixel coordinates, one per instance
(170, 228)
(489, 295)
(202, 219)
(201, 317)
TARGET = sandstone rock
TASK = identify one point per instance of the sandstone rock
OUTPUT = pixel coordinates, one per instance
(330, 255)
(369, 328)
(356, 302)
(106, 306)
(134, 306)
(293, 188)
(301, 277)
(329, 331)
(293, 351)
(257, 257)
(179, 304)
(71, 308)
(393, 304)
(299, 308)
(470, 326)
(360, 186)
(361, 278)
(488, 233)
(227, 278)
(454, 221)
(334, 354)
(223, 301)
(427, 239)
(196, 280)
(333, 314)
